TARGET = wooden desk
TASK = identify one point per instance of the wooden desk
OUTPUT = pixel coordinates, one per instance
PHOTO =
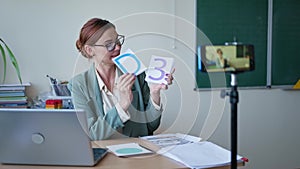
(152, 161)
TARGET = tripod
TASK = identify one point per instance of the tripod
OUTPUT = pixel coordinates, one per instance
(234, 99)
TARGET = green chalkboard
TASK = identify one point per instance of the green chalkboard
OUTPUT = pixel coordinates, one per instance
(286, 42)
(240, 20)
(247, 21)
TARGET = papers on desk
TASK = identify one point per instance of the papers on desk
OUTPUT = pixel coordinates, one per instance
(199, 155)
(165, 140)
(189, 151)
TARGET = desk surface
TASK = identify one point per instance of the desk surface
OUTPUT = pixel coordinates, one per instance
(113, 162)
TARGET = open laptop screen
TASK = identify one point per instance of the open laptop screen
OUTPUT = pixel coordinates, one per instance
(45, 136)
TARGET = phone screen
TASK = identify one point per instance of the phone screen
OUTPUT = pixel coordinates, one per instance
(226, 58)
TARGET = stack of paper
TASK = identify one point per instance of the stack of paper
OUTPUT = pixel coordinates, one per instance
(199, 154)
(189, 151)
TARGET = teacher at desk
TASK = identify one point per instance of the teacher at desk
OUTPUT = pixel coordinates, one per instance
(117, 105)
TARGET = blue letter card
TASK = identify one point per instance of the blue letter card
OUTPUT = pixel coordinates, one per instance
(128, 62)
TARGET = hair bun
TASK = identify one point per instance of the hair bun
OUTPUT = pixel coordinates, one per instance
(78, 45)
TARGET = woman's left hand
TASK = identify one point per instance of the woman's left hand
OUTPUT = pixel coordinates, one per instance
(156, 88)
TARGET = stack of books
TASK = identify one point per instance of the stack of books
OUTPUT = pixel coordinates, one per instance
(13, 95)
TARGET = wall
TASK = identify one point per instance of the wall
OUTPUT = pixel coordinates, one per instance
(42, 35)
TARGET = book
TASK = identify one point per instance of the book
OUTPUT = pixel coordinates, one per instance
(13, 100)
(14, 105)
(13, 87)
(12, 93)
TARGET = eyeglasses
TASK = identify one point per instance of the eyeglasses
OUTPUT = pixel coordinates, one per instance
(112, 45)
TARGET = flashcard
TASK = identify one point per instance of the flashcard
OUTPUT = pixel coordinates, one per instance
(128, 62)
(128, 149)
(158, 68)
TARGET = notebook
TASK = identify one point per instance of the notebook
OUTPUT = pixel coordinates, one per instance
(46, 137)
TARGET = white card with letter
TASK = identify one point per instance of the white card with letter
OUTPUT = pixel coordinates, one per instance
(128, 62)
(158, 68)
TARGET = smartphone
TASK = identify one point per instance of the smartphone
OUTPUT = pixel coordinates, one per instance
(226, 58)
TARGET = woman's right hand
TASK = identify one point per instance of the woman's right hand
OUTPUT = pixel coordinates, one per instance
(124, 86)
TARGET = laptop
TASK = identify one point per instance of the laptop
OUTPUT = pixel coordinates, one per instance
(46, 137)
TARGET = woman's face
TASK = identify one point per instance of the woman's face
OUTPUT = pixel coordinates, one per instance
(101, 55)
(220, 54)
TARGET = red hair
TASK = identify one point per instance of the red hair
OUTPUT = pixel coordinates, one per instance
(91, 31)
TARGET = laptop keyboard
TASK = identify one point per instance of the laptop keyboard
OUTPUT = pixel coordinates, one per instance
(99, 153)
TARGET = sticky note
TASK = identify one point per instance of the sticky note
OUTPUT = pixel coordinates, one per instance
(128, 62)
(158, 68)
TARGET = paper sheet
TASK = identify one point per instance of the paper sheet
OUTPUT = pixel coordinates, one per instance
(165, 140)
(158, 69)
(200, 155)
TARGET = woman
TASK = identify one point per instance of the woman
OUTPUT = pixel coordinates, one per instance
(116, 104)
(221, 62)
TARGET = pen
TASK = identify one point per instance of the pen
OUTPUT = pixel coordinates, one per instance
(54, 84)
(52, 80)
